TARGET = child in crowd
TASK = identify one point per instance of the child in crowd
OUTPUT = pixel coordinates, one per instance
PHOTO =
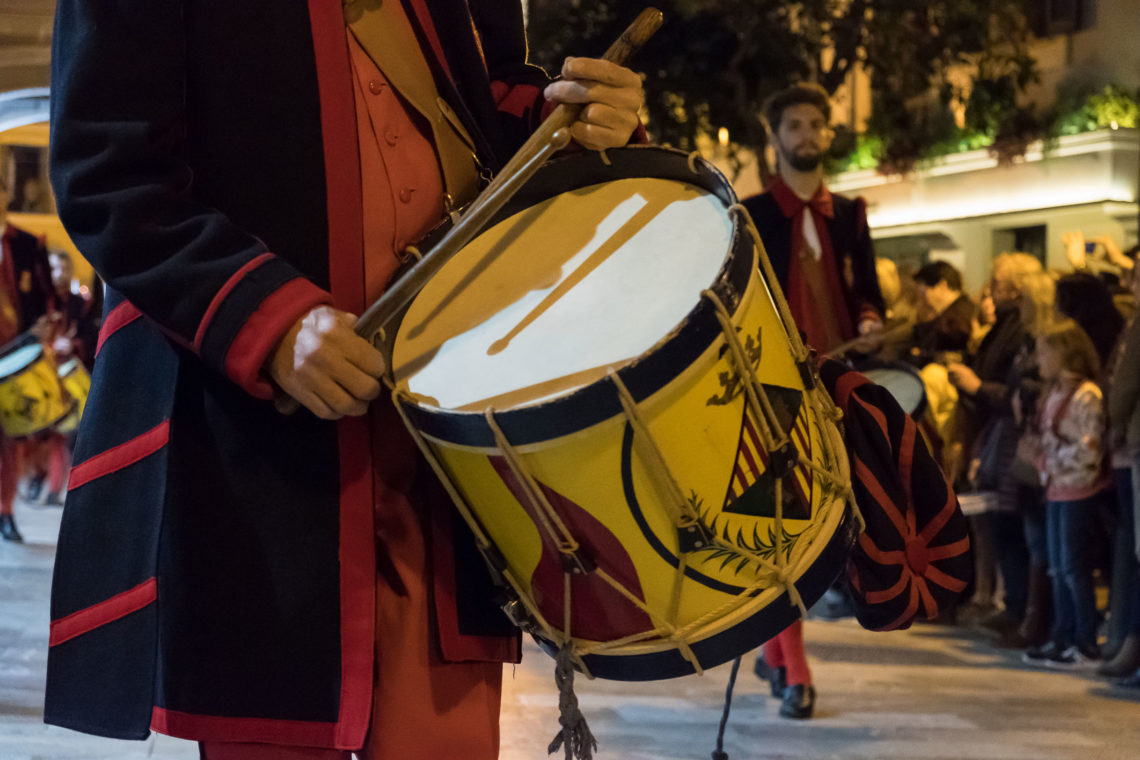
(1072, 464)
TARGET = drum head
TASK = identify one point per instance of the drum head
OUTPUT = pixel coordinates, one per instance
(19, 359)
(544, 301)
(902, 381)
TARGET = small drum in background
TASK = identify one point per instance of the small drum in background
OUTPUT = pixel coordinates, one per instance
(603, 381)
(77, 383)
(31, 397)
(901, 380)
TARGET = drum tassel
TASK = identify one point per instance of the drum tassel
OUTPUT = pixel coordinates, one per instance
(575, 738)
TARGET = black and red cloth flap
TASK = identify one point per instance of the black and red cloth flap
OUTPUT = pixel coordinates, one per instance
(914, 556)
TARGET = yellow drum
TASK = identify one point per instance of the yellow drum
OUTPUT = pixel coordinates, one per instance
(605, 383)
(75, 380)
(31, 398)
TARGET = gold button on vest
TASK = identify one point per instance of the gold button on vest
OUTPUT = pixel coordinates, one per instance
(384, 32)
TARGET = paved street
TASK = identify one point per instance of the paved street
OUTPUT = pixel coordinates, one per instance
(931, 693)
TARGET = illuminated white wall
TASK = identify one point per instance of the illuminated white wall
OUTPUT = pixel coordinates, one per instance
(1085, 182)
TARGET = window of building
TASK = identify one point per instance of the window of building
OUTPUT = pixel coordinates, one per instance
(1029, 240)
(1051, 17)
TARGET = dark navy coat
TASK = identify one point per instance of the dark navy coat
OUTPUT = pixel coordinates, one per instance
(215, 572)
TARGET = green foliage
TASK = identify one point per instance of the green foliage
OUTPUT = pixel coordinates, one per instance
(1084, 109)
(714, 62)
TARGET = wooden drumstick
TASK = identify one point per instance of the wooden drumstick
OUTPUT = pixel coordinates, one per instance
(636, 34)
(550, 137)
(890, 330)
(545, 141)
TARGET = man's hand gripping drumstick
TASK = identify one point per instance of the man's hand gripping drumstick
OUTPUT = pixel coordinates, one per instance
(334, 372)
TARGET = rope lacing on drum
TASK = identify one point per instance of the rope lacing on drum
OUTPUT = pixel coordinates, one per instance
(495, 561)
(573, 561)
(693, 158)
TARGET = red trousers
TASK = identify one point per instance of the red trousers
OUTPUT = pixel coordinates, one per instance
(786, 650)
(11, 465)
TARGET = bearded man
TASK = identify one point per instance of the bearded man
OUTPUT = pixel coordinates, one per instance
(821, 253)
(818, 242)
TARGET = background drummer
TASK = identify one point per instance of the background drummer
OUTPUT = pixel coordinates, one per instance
(946, 316)
(820, 248)
(71, 331)
(26, 296)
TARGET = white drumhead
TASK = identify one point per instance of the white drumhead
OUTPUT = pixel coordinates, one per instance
(907, 389)
(543, 302)
(19, 359)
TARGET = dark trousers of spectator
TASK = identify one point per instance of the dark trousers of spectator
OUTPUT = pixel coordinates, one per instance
(1012, 557)
(1071, 530)
(1037, 626)
(1124, 617)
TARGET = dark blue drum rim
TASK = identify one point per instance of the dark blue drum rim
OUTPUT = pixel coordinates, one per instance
(654, 370)
(740, 638)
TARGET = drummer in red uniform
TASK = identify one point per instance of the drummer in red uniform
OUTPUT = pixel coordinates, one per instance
(73, 334)
(25, 297)
(820, 248)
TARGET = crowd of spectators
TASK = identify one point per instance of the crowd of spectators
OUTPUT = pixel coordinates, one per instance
(1033, 391)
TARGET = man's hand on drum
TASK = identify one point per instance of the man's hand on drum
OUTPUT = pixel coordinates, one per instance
(326, 366)
(612, 96)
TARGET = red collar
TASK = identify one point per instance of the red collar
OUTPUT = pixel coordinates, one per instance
(792, 204)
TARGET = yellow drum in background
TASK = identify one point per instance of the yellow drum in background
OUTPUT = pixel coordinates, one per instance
(31, 397)
(604, 381)
(77, 383)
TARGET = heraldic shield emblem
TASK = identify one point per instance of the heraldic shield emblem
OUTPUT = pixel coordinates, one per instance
(657, 508)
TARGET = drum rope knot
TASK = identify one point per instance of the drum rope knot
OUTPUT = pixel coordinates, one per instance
(575, 738)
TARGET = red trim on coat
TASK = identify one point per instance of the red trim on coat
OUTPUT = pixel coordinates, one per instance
(211, 728)
(116, 458)
(224, 291)
(847, 383)
(346, 276)
(264, 328)
(118, 318)
(515, 100)
(106, 611)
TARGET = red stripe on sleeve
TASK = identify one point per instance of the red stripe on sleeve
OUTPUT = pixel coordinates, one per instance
(118, 318)
(220, 296)
(516, 100)
(264, 328)
(107, 611)
(123, 455)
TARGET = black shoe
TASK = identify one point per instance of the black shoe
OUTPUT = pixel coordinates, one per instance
(799, 702)
(1075, 658)
(1039, 655)
(777, 678)
(54, 499)
(1131, 682)
(8, 529)
(33, 487)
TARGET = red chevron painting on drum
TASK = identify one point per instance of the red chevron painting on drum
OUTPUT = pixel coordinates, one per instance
(598, 611)
(751, 489)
